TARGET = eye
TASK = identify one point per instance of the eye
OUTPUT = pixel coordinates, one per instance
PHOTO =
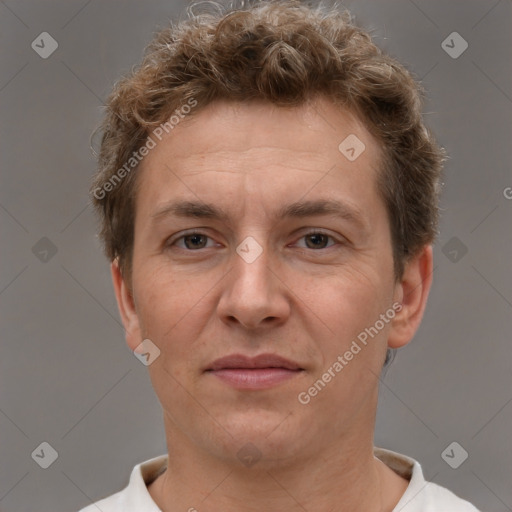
(193, 241)
(317, 240)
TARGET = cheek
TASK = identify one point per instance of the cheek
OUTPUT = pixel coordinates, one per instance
(351, 303)
(351, 298)
(170, 310)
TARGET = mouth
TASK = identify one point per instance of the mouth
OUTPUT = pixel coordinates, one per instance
(260, 372)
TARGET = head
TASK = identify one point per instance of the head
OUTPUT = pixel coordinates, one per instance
(285, 124)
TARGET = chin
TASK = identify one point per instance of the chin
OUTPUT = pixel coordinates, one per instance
(269, 436)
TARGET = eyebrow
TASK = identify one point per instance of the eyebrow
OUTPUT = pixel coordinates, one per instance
(299, 209)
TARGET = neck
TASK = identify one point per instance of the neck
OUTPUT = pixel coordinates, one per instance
(346, 476)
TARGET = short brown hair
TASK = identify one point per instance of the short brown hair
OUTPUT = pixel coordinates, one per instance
(283, 52)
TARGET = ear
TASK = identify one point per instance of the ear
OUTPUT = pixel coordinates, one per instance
(126, 307)
(412, 292)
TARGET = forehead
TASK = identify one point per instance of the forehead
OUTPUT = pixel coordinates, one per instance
(316, 125)
(261, 151)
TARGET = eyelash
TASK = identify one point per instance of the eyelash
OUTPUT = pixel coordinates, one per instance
(191, 233)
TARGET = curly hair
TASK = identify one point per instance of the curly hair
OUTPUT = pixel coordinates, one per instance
(282, 52)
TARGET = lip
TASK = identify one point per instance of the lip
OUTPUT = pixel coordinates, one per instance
(240, 361)
(260, 372)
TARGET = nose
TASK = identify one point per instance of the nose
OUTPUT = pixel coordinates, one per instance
(253, 294)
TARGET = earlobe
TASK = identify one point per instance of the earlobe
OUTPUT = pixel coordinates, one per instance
(126, 306)
(412, 291)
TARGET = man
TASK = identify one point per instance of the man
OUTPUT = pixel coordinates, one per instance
(268, 196)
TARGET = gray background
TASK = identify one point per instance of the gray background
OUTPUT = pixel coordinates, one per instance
(67, 377)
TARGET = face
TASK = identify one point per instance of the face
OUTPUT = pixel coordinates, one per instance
(261, 254)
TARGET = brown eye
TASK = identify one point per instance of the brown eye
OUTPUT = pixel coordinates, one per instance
(195, 241)
(192, 241)
(316, 240)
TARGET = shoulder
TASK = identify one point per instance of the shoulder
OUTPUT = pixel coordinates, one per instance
(135, 496)
(420, 495)
(438, 499)
(113, 503)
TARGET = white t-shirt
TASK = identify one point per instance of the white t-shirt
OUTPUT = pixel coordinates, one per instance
(420, 495)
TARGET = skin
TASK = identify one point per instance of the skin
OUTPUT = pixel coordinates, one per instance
(296, 300)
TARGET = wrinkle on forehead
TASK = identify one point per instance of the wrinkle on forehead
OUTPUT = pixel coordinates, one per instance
(252, 160)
